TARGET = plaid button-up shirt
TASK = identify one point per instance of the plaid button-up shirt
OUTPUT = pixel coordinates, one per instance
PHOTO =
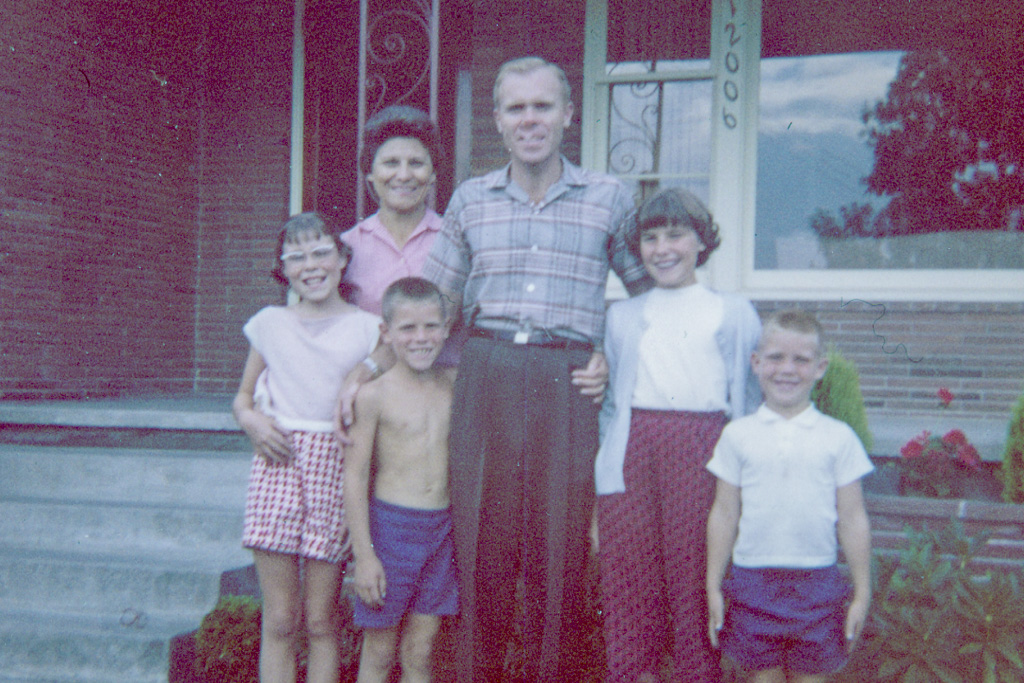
(546, 265)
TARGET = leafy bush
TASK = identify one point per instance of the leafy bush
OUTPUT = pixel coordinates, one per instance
(838, 395)
(228, 641)
(932, 619)
(1013, 456)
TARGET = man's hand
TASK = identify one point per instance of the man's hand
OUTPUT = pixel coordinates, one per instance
(592, 379)
(371, 584)
(344, 412)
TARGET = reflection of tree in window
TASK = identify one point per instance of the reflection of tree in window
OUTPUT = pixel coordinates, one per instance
(949, 149)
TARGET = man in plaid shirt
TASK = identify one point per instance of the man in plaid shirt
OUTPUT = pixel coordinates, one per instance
(524, 253)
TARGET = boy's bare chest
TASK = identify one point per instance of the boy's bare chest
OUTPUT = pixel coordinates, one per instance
(419, 415)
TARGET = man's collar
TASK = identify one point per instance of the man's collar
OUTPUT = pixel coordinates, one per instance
(571, 175)
(499, 179)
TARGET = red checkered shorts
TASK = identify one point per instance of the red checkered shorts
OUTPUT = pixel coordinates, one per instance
(297, 508)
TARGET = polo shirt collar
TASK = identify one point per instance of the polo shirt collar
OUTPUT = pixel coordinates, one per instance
(805, 419)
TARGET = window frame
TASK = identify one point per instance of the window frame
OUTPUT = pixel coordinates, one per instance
(735, 73)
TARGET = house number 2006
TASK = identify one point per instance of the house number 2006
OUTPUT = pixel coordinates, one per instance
(732, 65)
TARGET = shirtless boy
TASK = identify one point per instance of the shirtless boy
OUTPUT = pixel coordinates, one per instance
(401, 536)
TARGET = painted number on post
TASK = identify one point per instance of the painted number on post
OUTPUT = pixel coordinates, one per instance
(730, 88)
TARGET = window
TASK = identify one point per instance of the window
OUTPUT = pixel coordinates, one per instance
(799, 96)
(812, 153)
(650, 94)
(897, 159)
(659, 131)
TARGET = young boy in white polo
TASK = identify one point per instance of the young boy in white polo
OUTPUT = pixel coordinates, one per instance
(788, 488)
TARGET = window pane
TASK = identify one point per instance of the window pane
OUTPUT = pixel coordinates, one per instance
(889, 136)
(810, 148)
(660, 135)
(902, 159)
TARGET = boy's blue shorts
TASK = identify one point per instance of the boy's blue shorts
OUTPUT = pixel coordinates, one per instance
(789, 618)
(418, 554)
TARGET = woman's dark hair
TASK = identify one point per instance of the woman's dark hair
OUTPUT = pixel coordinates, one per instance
(400, 121)
(675, 206)
(311, 222)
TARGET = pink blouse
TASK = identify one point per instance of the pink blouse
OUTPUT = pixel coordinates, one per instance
(377, 261)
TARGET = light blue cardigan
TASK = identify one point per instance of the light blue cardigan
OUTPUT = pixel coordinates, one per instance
(737, 338)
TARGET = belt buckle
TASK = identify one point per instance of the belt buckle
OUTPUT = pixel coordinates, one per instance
(521, 337)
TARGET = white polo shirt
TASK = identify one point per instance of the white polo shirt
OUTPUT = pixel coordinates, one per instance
(788, 472)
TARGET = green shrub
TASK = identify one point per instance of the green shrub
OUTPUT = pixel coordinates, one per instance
(932, 619)
(228, 641)
(838, 395)
(1013, 456)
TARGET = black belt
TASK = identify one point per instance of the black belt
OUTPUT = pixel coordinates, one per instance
(541, 338)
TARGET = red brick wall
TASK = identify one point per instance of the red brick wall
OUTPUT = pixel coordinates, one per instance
(244, 173)
(97, 199)
(143, 174)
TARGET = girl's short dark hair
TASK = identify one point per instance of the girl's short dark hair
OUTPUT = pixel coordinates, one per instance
(312, 222)
(675, 206)
(400, 121)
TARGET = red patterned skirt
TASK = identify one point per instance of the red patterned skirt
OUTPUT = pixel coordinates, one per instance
(653, 553)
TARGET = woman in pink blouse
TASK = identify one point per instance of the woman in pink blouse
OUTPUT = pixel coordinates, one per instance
(400, 150)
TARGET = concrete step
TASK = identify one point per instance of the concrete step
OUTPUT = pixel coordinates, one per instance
(65, 648)
(892, 432)
(114, 585)
(125, 475)
(33, 524)
(123, 437)
(206, 413)
(117, 522)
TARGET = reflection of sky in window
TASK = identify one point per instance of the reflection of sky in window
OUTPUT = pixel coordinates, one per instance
(824, 94)
(812, 152)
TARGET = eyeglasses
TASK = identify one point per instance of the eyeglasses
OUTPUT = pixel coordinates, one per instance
(317, 255)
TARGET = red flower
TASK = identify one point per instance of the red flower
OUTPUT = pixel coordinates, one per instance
(955, 438)
(968, 455)
(913, 449)
(945, 397)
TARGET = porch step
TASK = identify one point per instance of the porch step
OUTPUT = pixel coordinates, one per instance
(117, 527)
(117, 524)
(110, 585)
(125, 475)
(72, 648)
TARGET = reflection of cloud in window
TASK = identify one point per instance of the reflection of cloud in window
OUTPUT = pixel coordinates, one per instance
(823, 94)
